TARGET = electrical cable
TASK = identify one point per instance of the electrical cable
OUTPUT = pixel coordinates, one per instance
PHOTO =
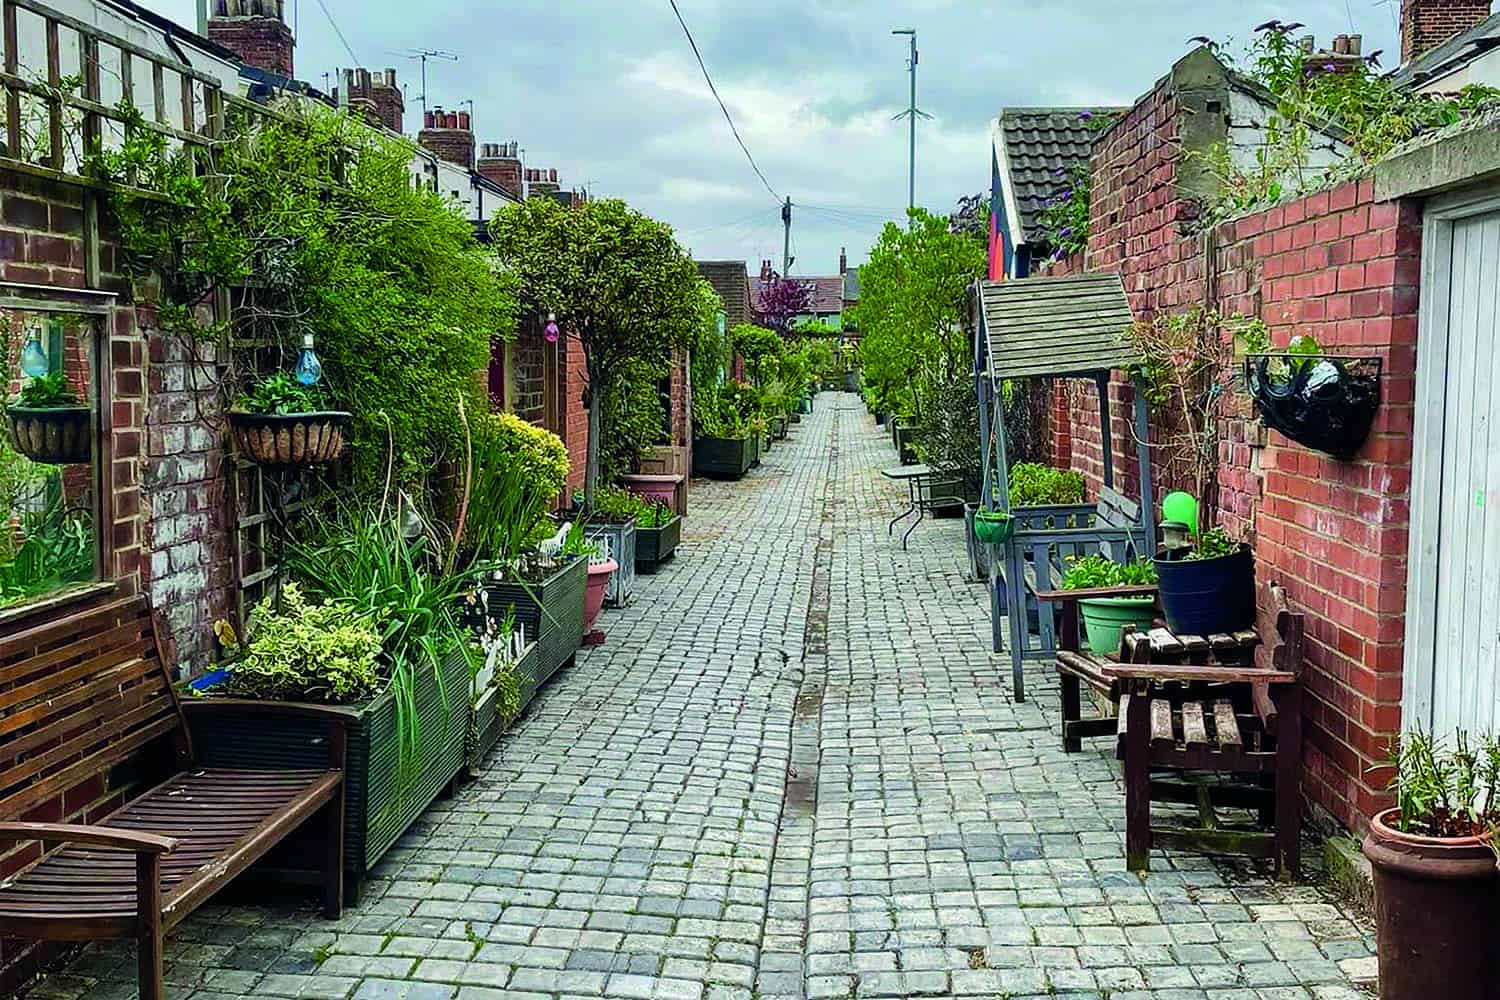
(715, 91)
(335, 25)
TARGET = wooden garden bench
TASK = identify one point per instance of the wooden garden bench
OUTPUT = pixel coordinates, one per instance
(1183, 723)
(88, 715)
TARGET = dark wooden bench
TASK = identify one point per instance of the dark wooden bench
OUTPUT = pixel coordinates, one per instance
(1185, 727)
(89, 723)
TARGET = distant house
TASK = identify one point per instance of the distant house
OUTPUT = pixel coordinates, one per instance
(1446, 46)
(827, 304)
(851, 293)
(732, 281)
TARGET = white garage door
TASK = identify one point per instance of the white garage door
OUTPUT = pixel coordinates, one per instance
(1453, 597)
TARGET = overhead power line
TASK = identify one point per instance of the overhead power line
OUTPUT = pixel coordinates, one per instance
(335, 25)
(715, 91)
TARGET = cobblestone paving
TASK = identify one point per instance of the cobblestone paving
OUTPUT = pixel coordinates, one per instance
(793, 771)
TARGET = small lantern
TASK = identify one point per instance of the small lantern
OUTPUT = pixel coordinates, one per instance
(552, 331)
(34, 356)
(309, 368)
(1175, 536)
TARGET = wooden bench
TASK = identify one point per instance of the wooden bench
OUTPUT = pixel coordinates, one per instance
(1184, 727)
(88, 716)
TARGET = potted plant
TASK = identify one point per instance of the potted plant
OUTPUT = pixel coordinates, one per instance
(49, 421)
(723, 445)
(613, 527)
(503, 679)
(1435, 858)
(281, 422)
(658, 533)
(1208, 587)
(600, 567)
(1105, 618)
(993, 527)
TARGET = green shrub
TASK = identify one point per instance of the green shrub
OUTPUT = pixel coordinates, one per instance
(759, 347)
(48, 391)
(632, 421)
(947, 438)
(616, 505)
(519, 472)
(1095, 571)
(1214, 543)
(1034, 485)
(279, 394)
(58, 550)
(300, 651)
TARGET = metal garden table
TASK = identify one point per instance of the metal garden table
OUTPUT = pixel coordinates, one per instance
(927, 490)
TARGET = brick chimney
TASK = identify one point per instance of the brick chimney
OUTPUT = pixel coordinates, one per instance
(447, 135)
(843, 260)
(254, 31)
(1426, 24)
(375, 95)
(1346, 54)
(542, 182)
(501, 162)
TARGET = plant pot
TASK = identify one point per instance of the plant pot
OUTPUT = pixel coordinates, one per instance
(993, 527)
(1106, 618)
(1208, 596)
(551, 609)
(804, 405)
(758, 447)
(488, 722)
(379, 801)
(881, 419)
(291, 439)
(53, 435)
(1437, 907)
(778, 428)
(620, 541)
(598, 583)
(723, 458)
(654, 546)
(653, 488)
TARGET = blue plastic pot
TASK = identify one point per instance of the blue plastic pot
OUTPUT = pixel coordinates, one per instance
(1206, 596)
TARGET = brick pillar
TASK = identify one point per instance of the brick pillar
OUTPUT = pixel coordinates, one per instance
(254, 31)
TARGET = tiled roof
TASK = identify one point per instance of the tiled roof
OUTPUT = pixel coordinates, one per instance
(732, 281)
(827, 297)
(1454, 54)
(1041, 144)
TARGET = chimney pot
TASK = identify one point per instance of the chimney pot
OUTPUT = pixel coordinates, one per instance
(463, 119)
(1356, 45)
(552, 175)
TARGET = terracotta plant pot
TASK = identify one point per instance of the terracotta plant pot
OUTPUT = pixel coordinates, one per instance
(292, 439)
(54, 435)
(1437, 907)
(598, 585)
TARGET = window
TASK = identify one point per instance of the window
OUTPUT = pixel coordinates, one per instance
(49, 462)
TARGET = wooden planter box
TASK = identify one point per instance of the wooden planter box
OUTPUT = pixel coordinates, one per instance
(621, 543)
(904, 439)
(654, 546)
(487, 724)
(379, 801)
(724, 458)
(559, 632)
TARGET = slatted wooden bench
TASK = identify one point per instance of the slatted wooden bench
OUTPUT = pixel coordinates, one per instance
(1184, 727)
(88, 714)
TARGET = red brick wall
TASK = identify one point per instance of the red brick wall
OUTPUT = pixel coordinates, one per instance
(573, 374)
(263, 42)
(1426, 24)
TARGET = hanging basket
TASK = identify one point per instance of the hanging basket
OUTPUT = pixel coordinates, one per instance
(291, 439)
(1325, 402)
(993, 527)
(54, 435)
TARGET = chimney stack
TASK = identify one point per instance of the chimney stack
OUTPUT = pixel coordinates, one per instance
(544, 182)
(500, 162)
(1426, 24)
(843, 260)
(447, 135)
(254, 31)
(1343, 57)
(766, 272)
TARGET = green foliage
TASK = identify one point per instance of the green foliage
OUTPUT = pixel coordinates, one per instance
(759, 347)
(633, 419)
(58, 550)
(279, 394)
(1034, 485)
(1214, 543)
(300, 651)
(321, 209)
(1064, 218)
(615, 279)
(716, 412)
(48, 392)
(914, 311)
(518, 472)
(1447, 790)
(817, 329)
(1095, 571)
(947, 437)
(577, 542)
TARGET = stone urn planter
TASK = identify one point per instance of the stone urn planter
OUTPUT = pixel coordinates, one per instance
(291, 439)
(53, 435)
(1437, 910)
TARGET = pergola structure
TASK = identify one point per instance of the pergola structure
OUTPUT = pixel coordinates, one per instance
(1072, 327)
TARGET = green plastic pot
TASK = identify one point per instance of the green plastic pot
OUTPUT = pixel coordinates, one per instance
(993, 527)
(1106, 618)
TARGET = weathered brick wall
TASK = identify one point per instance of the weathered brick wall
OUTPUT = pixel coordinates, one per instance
(1426, 24)
(573, 376)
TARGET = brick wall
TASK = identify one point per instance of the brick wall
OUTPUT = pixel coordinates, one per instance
(1344, 268)
(572, 374)
(1426, 24)
(263, 42)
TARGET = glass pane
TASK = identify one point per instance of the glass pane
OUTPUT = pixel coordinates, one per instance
(48, 465)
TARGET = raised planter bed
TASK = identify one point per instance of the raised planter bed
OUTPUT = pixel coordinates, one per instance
(724, 458)
(654, 546)
(380, 802)
(621, 541)
(558, 631)
(488, 723)
(778, 428)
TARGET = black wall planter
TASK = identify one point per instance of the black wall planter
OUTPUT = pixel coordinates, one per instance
(1326, 403)
(1208, 596)
(724, 458)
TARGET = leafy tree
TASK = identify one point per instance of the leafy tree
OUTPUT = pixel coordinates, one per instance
(781, 301)
(758, 346)
(914, 308)
(615, 279)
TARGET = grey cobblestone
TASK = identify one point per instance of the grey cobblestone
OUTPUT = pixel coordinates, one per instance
(794, 770)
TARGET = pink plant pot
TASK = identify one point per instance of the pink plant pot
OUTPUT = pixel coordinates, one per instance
(593, 596)
(654, 489)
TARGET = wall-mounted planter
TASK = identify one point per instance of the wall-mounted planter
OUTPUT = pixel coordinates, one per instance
(724, 458)
(380, 802)
(54, 435)
(620, 542)
(654, 546)
(1325, 402)
(558, 629)
(291, 439)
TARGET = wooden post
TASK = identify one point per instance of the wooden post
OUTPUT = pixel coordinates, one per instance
(149, 930)
(55, 157)
(1288, 698)
(1015, 610)
(12, 95)
(1106, 445)
(1138, 779)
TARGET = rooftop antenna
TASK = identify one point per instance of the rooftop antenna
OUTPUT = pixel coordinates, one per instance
(422, 55)
(912, 113)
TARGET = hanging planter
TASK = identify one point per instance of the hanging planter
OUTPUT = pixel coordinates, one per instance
(993, 527)
(54, 435)
(1325, 402)
(290, 439)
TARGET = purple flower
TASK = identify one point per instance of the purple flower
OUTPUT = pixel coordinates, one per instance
(1067, 231)
(1060, 172)
(1330, 68)
(1085, 116)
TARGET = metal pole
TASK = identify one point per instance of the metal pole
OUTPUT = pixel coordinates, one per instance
(911, 187)
(786, 238)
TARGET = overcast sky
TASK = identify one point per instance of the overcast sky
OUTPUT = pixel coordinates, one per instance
(609, 93)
